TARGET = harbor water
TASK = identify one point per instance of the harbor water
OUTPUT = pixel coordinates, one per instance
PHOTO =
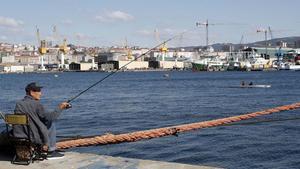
(133, 101)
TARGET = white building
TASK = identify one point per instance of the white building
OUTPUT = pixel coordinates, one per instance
(171, 64)
(8, 59)
(134, 65)
(88, 66)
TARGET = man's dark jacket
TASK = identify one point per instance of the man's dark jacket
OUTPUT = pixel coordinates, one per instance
(38, 117)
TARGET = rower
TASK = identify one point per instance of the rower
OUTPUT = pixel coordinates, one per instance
(242, 83)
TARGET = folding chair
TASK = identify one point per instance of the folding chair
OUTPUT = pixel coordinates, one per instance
(25, 150)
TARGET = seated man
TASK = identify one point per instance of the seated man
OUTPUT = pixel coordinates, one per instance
(41, 122)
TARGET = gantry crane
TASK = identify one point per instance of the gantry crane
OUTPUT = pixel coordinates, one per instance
(163, 48)
(62, 49)
(42, 48)
(128, 50)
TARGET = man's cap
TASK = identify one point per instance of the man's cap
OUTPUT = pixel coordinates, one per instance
(33, 87)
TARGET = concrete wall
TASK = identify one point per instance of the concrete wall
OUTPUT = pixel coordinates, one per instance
(134, 64)
(107, 66)
(88, 66)
(14, 69)
(170, 64)
(29, 68)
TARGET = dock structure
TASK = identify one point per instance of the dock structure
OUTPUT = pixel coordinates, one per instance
(75, 160)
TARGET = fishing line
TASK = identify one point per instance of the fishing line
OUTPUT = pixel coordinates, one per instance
(110, 74)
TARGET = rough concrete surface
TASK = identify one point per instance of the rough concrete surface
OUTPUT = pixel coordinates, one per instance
(76, 160)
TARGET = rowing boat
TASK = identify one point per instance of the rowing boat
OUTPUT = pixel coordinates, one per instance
(255, 86)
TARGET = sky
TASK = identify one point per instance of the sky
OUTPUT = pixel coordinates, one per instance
(146, 23)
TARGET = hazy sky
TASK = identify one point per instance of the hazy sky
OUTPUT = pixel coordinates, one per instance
(110, 22)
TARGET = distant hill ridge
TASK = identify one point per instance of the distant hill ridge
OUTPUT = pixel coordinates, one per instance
(293, 42)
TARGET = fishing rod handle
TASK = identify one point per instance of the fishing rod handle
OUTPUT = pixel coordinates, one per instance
(69, 106)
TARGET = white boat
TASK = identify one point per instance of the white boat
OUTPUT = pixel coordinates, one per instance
(255, 86)
(258, 62)
(293, 67)
(216, 64)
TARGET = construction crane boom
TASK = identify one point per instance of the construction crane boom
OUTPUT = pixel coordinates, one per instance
(270, 32)
(242, 39)
(38, 35)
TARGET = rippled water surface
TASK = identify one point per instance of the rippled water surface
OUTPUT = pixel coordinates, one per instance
(131, 101)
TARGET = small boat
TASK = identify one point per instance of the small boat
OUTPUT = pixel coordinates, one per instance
(255, 86)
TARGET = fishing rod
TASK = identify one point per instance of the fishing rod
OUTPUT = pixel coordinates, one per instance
(2, 116)
(110, 74)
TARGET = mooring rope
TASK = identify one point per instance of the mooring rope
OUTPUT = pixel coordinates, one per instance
(160, 132)
(72, 137)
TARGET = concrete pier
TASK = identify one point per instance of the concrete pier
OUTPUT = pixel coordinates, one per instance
(74, 160)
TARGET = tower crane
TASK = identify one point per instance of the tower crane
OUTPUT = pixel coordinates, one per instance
(206, 24)
(265, 31)
(206, 29)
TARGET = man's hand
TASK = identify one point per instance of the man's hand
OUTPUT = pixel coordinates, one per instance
(45, 148)
(64, 105)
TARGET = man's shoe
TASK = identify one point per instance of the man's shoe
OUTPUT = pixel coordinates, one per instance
(53, 155)
(40, 156)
